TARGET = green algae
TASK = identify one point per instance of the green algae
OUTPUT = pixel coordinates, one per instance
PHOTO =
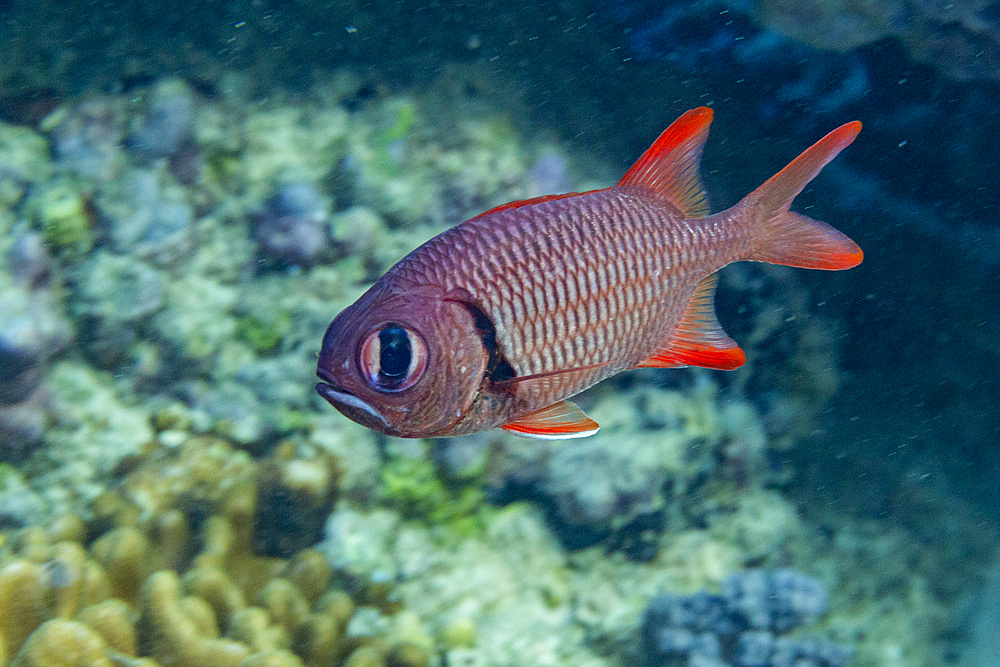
(10, 478)
(261, 335)
(415, 488)
(25, 157)
(406, 116)
(62, 216)
(388, 143)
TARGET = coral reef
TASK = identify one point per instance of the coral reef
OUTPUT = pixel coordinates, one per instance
(32, 331)
(113, 295)
(63, 218)
(182, 567)
(86, 139)
(183, 501)
(147, 216)
(624, 486)
(167, 124)
(744, 626)
(962, 39)
(293, 226)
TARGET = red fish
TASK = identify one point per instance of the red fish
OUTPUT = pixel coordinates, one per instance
(500, 319)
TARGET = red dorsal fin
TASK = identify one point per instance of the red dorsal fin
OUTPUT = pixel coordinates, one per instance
(699, 339)
(670, 166)
(526, 202)
(559, 421)
(783, 237)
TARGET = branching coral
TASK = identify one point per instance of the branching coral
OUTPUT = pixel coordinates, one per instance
(171, 571)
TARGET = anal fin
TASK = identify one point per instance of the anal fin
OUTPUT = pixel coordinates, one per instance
(699, 339)
(559, 421)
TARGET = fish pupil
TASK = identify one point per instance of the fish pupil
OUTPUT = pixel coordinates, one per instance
(395, 353)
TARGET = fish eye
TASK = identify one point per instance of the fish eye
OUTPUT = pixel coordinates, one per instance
(393, 357)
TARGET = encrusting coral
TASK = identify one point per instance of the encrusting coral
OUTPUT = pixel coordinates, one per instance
(164, 571)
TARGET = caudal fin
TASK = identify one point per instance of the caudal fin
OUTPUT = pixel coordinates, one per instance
(783, 237)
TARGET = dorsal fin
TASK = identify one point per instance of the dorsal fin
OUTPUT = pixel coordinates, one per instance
(670, 166)
(559, 421)
(527, 202)
(699, 339)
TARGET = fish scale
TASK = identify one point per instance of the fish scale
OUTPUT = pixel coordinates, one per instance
(497, 321)
(519, 295)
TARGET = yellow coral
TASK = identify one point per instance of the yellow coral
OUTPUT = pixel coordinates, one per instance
(252, 626)
(272, 659)
(168, 633)
(310, 573)
(366, 656)
(67, 580)
(408, 655)
(284, 604)
(23, 604)
(111, 620)
(124, 554)
(213, 586)
(62, 643)
(125, 596)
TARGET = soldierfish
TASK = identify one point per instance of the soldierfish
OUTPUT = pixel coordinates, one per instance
(498, 320)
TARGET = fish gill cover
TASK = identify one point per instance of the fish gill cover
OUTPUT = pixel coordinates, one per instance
(188, 195)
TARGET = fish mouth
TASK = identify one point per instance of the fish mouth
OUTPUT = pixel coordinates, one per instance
(340, 398)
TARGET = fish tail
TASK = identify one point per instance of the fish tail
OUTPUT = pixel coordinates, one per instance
(780, 236)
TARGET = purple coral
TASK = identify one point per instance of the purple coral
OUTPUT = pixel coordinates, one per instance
(147, 215)
(744, 626)
(779, 600)
(29, 261)
(167, 125)
(21, 362)
(292, 227)
(87, 140)
(32, 330)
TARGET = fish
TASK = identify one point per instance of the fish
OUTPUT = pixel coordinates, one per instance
(499, 320)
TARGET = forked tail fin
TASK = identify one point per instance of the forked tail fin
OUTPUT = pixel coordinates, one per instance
(780, 236)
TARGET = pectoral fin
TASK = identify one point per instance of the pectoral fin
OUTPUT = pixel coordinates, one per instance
(559, 421)
(531, 386)
(699, 339)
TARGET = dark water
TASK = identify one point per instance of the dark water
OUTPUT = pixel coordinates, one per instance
(188, 194)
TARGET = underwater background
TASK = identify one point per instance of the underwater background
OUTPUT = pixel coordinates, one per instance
(189, 192)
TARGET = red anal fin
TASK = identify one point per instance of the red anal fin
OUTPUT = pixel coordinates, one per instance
(528, 202)
(559, 421)
(720, 360)
(699, 339)
(670, 166)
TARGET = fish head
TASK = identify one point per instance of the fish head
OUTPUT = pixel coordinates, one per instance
(405, 362)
